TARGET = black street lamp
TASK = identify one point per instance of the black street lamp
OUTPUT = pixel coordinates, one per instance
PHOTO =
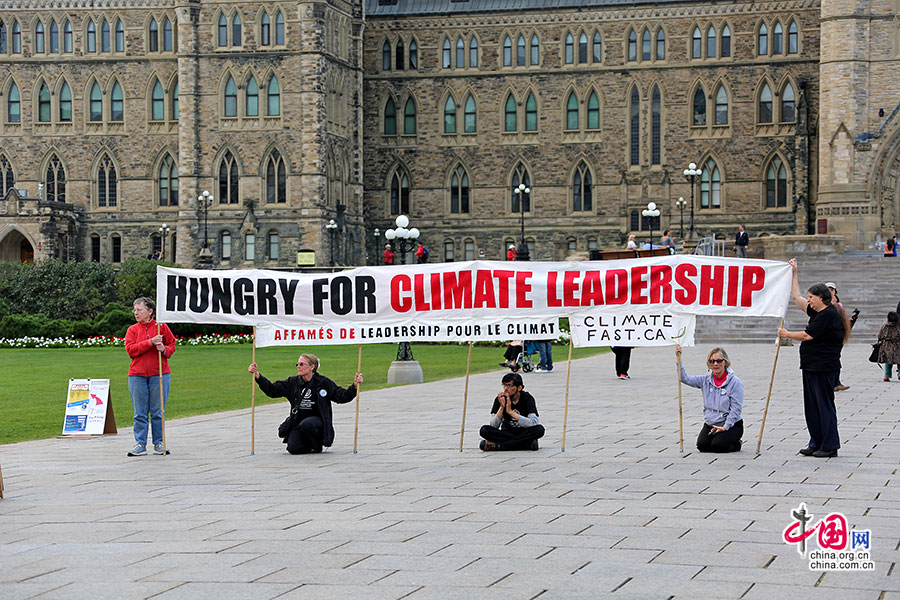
(681, 203)
(522, 190)
(690, 173)
(204, 201)
(378, 248)
(164, 232)
(331, 226)
(651, 213)
(405, 240)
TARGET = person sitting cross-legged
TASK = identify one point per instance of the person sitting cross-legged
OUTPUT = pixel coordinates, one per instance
(514, 419)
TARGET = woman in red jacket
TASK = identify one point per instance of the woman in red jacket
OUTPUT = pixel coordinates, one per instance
(145, 342)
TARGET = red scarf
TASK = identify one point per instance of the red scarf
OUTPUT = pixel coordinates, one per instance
(718, 381)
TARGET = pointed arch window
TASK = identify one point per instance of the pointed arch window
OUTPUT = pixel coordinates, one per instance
(777, 39)
(597, 48)
(582, 189)
(276, 179)
(788, 105)
(95, 108)
(250, 246)
(520, 51)
(582, 48)
(265, 30)
(762, 40)
(699, 118)
(236, 29)
(117, 105)
(776, 184)
(721, 106)
(520, 176)
(531, 113)
(54, 37)
(44, 104)
(792, 38)
(414, 55)
(279, 29)
(399, 55)
(660, 45)
(473, 53)
(710, 186)
(225, 251)
(655, 127)
(107, 183)
(646, 48)
(230, 98)
(765, 104)
(460, 53)
(535, 50)
(39, 38)
(252, 97)
(2, 37)
(459, 191)
(221, 31)
(711, 42)
(16, 38)
(175, 101)
(168, 182)
(572, 112)
(229, 178)
(726, 41)
(399, 194)
(168, 40)
(507, 52)
(593, 111)
(55, 181)
(390, 117)
(635, 128)
(273, 98)
(632, 46)
(157, 102)
(7, 178)
(445, 53)
(92, 35)
(120, 36)
(409, 117)
(510, 120)
(570, 49)
(273, 243)
(13, 105)
(154, 35)
(105, 40)
(450, 115)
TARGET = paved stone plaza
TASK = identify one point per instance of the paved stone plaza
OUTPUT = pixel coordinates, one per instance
(620, 514)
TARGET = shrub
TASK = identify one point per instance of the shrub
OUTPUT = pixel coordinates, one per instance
(115, 320)
(137, 278)
(74, 290)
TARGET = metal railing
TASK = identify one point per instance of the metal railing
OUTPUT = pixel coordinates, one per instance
(710, 246)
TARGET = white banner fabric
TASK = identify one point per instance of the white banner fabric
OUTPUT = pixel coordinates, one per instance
(634, 328)
(475, 291)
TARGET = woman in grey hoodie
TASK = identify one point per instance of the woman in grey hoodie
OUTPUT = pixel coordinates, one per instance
(723, 398)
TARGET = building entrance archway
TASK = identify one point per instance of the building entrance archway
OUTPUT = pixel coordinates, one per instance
(15, 247)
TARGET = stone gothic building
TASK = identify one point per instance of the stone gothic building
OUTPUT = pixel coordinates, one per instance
(116, 116)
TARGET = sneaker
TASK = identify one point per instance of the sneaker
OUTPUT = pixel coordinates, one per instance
(158, 449)
(624, 377)
(887, 379)
(540, 370)
(488, 446)
(841, 388)
(138, 450)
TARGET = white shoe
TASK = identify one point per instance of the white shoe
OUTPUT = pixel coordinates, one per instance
(158, 449)
(138, 450)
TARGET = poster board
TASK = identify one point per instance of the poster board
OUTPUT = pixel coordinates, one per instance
(89, 408)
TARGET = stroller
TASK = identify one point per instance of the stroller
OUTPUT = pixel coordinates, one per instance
(523, 360)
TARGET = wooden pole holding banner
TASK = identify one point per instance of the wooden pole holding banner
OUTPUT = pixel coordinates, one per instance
(253, 399)
(162, 402)
(356, 425)
(680, 417)
(462, 428)
(769, 394)
(1, 483)
(566, 409)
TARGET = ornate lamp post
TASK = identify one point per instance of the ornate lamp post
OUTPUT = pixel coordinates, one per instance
(330, 227)
(204, 201)
(405, 369)
(377, 234)
(681, 203)
(406, 238)
(690, 173)
(522, 190)
(164, 232)
(651, 212)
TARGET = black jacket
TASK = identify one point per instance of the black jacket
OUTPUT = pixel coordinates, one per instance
(742, 239)
(291, 387)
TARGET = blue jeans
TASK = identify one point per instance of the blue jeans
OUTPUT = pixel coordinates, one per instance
(145, 399)
(545, 350)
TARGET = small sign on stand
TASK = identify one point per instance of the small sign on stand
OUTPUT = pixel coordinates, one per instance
(89, 408)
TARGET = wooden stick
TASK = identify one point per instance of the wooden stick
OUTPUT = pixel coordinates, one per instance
(769, 394)
(162, 403)
(1, 483)
(462, 428)
(680, 417)
(356, 426)
(253, 400)
(566, 410)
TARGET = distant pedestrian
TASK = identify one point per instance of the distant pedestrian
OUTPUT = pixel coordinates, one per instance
(388, 255)
(511, 252)
(545, 351)
(890, 246)
(631, 245)
(889, 338)
(666, 241)
(623, 360)
(422, 253)
(894, 239)
(741, 243)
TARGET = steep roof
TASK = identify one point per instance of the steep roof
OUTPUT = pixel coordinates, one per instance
(389, 8)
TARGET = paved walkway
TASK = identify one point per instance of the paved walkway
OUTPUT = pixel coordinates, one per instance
(620, 514)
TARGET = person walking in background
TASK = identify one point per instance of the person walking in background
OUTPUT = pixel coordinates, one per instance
(511, 252)
(545, 351)
(889, 246)
(894, 251)
(623, 360)
(741, 243)
(889, 338)
(145, 342)
(422, 253)
(388, 255)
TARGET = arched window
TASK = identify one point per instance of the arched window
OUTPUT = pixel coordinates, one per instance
(390, 117)
(96, 103)
(762, 40)
(55, 181)
(473, 52)
(399, 194)
(409, 117)
(520, 51)
(469, 113)
(582, 48)
(252, 97)
(788, 106)
(229, 188)
(655, 127)
(273, 98)
(168, 182)
(39, 38)
(721, 106)
(460, 53)
(44, 104)
(236, 29)
(120, 36)
(445, 53)
(521, 176)
(777, 39)
(632, 45)
(276, 179)
(582, 189)
(507, 51)
(450, 115)
(105, 38)
(531, 113)
(726, 41)
(92, 35)
(168, 41)
(250, 246)
(279, 29)
(265, 30)
(776, 184)
(459, 191)
(593, 111)
(67, 37)
(511, 118)
(2, 37)
(273, 245)
(175, 101)
(711, 42)
(645, 45)
(792, 38)
(13, 105)
(16, 38)
(115, 242)
(153, 37)
(107, 183)
(221, 31)
(95, 247)
(699, 108)
(597, 48)
(710, 186)
(570, 49)
(54, 37)
(696, 44)
(225, 246)
(572, 112)
(7, 179)
(535, 50)
(414, 55)
(157, 103)
(400, 55)
(230, 98)
(660, 45)
(635, 128)
(765, 104)
(117, 105)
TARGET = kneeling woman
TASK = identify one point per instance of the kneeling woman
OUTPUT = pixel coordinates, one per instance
(309, 426)
(723, 398)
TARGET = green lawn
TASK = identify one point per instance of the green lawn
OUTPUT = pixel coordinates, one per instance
(205, 379)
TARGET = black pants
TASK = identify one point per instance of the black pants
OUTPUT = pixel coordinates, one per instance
(512, 439)
(307, 436)
(512, 353)
(724, 441)
(623, 359)
(818, 406)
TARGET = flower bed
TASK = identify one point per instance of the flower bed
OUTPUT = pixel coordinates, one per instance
(108, 340)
